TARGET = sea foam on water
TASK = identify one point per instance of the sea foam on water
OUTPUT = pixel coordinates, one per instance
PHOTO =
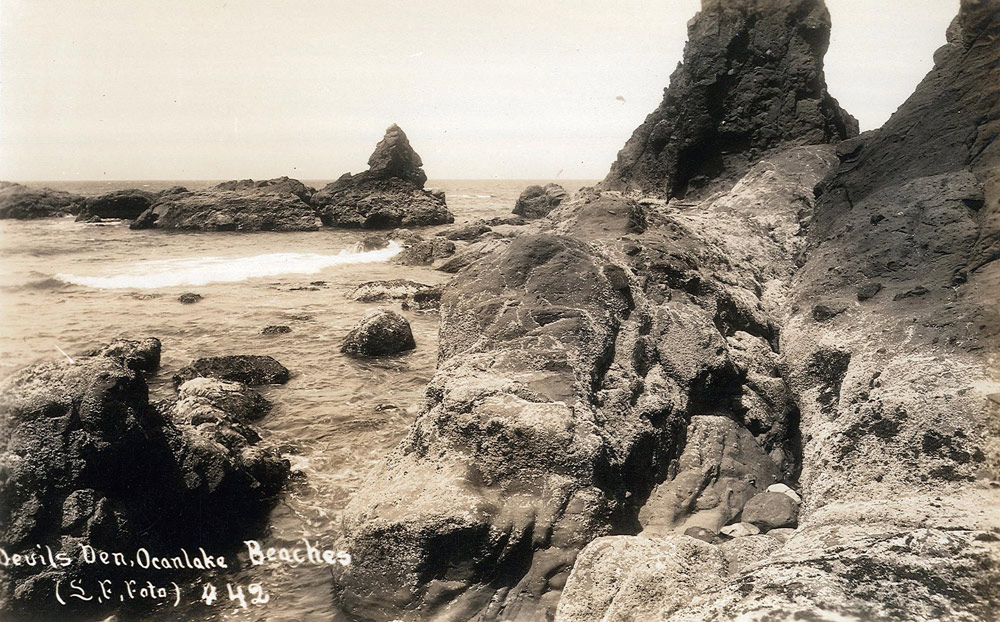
(204, 270)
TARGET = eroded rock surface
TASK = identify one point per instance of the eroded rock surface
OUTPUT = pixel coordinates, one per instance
(899, 460)
(280, 204)
(538, 201)
(751, 80)
(570, 362)
(87, 459)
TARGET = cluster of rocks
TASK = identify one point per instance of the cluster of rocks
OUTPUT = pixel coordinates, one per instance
(89, 460)
(609, 381)
(389, 194)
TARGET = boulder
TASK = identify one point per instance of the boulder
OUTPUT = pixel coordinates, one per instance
(389, 194)
(251, 369)
(751, 81)
(740, 530)
(379, 333)
(23, 203)
(89, 461)
(721, 468)
(538, 201)
(142, 356)
(771, 510)
(201, 398)
(270, 205)
(465, 233)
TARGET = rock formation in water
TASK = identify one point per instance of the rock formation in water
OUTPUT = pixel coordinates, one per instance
(250, 369)
(389, 194)
(23, 203)
(614, 392)
(124, 204)
(538, 201)
(280, 204)
(751, 81)
(88, 460)
(379, 333)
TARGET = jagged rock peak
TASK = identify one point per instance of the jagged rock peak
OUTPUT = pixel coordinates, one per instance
(394, 157)
(751, 80)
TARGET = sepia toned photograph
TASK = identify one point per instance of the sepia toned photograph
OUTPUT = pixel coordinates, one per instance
(441, 311)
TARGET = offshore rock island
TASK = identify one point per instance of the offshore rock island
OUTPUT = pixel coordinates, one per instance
(751, 375)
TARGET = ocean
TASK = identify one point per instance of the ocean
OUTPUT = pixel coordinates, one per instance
(68, 287)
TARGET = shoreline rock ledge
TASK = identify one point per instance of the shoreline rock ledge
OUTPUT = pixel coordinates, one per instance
(87, 459)
(388, 195)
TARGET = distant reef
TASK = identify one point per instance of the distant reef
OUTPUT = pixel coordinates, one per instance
(388, 195)
(752, 375)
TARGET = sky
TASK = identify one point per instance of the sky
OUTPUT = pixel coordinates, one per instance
(508, 89)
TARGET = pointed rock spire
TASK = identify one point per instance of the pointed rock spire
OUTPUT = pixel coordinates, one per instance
(752, 79)
(394, 157)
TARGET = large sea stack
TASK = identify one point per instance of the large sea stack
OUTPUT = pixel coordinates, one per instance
(389, 194)
(751, 82)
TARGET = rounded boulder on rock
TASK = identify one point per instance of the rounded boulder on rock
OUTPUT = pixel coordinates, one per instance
(771, 510)
(380, 333)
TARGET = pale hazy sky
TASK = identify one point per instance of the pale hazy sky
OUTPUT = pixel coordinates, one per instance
(213, 89)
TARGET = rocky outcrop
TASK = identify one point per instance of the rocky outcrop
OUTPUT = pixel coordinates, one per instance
(379, 333)
(141, 356)
(538, 201)
(575, 366)
(280, 204)
(23, 203)
(251, 369)
(751, 81)
(87, 460)
(899, 463)
(389, 194)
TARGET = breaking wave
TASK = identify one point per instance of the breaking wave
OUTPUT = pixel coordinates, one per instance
(204, 270)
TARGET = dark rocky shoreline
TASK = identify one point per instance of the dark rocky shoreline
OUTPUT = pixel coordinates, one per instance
(747, 376)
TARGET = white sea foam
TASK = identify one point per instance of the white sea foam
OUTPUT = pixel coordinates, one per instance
(204, 270)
